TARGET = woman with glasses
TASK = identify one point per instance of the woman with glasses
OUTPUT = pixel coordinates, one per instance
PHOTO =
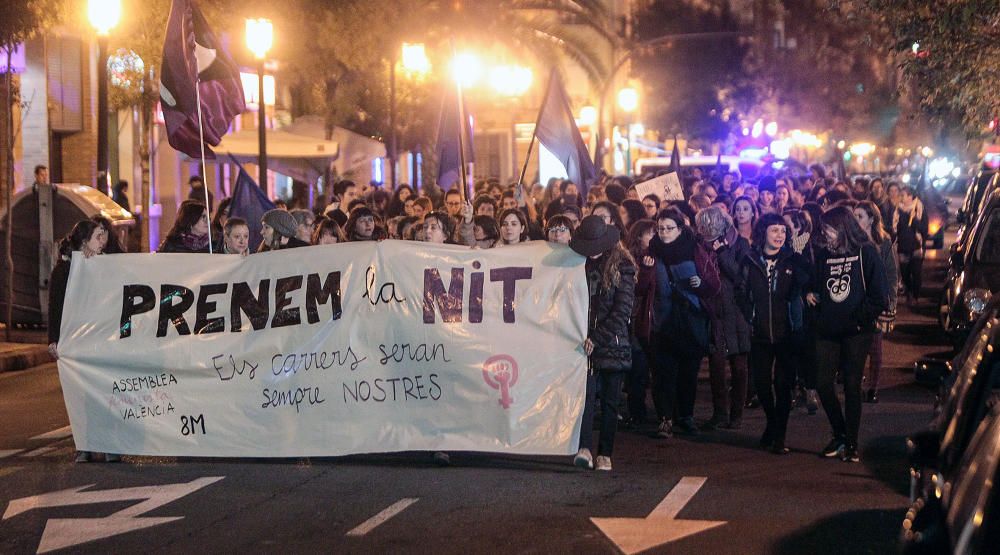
(190, 230)
(689, 275)
(559, 229)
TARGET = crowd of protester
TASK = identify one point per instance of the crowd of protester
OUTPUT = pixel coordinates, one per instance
(784, 284)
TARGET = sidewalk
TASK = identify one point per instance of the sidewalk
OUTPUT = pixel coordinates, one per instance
(26, 349)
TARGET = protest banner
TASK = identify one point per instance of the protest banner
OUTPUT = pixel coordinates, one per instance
(665, 187)
(328, 350)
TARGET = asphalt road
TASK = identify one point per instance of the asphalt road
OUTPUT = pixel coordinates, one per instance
(750, 501)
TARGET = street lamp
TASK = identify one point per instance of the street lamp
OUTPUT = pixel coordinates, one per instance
(260, 37)
(414, 62)
(628, 101)
(103, 16)
(510, 80)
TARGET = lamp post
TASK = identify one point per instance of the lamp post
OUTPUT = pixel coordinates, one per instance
(415, 63)
(628, 101)
(260, 37)
(103, 16)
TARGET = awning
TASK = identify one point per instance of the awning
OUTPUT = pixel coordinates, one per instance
(297, 156)
(356, 151)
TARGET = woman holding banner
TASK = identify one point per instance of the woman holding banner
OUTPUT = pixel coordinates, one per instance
(190, 230)
(611, 283)
(87, 237)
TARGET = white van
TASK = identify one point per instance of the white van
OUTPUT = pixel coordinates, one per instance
(748, 168)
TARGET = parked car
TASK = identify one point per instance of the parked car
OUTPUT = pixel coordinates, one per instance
(973, 273)
(985, 181)
(940, 456)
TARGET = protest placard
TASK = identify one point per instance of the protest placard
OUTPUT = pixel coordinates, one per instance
(666, 187)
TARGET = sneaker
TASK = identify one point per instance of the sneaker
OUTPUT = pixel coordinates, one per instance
(112, 458)
(686, 426)
(442, 458)
(82, 457)
(850, 454)
(812, 401)
(871, 396)
(603, 463)
(833, 449)
(665, 430)
(752, 403)
(584, 459)
(779, 448)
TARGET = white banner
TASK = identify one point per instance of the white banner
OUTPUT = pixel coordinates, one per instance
(323, 351)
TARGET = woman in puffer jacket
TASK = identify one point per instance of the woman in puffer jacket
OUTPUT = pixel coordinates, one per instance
(611, 283)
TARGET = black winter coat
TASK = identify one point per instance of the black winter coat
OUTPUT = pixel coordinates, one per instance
(768, 302)
(730, 328)
(610, 315)
(57, 296)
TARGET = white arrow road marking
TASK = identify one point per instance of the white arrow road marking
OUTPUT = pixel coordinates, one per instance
(633, 535)
(65, 431)
(39, 451)
(389, 512)
(4, 453)
(66, 532)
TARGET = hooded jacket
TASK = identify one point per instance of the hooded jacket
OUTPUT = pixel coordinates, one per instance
(852, 291)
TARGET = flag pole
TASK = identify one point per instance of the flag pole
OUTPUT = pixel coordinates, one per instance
(204, 173)
(534, 131)
(462, 122)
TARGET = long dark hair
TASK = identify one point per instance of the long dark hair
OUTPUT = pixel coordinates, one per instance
(489, 226)
(635, 233)
(188, 214)
(113, 246)
(877, 232)
(396, 205)
(80, 234)
(849, 233)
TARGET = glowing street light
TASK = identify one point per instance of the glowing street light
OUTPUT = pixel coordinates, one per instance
(588, 116)
(466, 69)
(260, 38)
(414, 59)
(771, 128)
(510, 80)
(628, 99)
(862, 149)
(103, 15)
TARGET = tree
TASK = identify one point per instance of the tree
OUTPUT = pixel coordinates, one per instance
(949, 52)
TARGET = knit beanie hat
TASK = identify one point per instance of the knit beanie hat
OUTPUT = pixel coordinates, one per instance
(281, 221)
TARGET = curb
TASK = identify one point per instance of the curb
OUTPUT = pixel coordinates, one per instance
(22, 357)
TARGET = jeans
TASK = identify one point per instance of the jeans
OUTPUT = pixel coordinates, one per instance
(911, 274)
(610, 384)
(636, 382)
(774, 377)
(675, 383)
(728, 399)
(847, 353)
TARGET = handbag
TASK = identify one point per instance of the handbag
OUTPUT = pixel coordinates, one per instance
(689, 328)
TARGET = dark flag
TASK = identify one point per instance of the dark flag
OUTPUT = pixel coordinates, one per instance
(249, 203)
(193, 57)
(556, 129)
(675, 159)
(449, 156)
(718, 165)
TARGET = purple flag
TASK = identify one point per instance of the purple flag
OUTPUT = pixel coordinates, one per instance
(193, 57)
(557, 131)
(449, 157)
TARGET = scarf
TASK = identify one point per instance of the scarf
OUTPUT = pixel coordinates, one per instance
(681, 250)
(799, 242)
(194, 242)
